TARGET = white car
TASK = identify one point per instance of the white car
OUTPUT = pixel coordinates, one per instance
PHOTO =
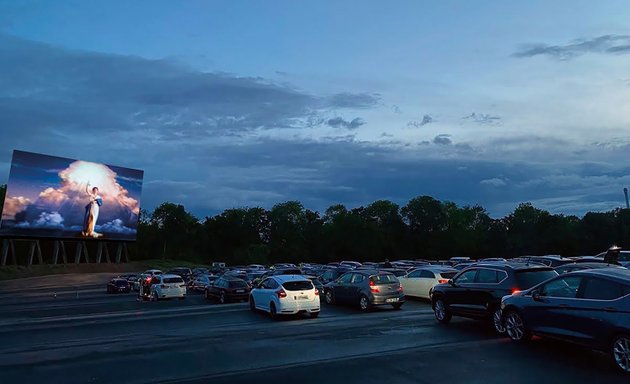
(167, 286)
(420, 281)
(256, 267)
(285, 295)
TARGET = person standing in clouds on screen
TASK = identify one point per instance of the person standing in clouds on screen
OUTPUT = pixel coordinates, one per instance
(91, 212)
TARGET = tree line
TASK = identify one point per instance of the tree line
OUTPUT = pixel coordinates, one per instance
(424, 228)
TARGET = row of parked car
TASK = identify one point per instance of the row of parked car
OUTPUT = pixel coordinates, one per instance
(580, 300)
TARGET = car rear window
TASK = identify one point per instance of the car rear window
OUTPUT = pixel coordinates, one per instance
(298, 285)
(448, 275)
(171, 280)
(384, 279)
(121, 282)
(290, 272)
(528, 278)
(238, 284)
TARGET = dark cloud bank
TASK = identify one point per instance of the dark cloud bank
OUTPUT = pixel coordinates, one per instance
(202, 137)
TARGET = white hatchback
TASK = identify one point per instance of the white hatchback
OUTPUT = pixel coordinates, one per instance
(420, 281)
(285, 295)
(167, 286)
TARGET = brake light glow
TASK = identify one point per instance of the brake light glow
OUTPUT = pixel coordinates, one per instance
(316, 292)
(443, 281)
(373, 287)
(281, 293)
(515, 291)
(400, 288)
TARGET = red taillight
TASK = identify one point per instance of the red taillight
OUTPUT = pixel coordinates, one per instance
(400, 288)
(316, 292)
(443, 281)
(281, 293)
(373, 287)
(515, 290)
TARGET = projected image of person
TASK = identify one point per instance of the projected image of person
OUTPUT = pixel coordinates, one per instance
(91, 212)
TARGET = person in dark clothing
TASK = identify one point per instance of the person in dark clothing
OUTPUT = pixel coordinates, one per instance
(612, 256)
(387, 264)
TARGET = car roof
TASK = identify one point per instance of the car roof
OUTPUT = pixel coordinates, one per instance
(168, 275)
(512, 265)
(369, 272)
(621, 274)
(590, 265)
(432, 267)
(285, 278)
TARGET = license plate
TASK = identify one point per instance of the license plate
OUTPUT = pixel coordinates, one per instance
(393, 300)
(240, 291)
(302, 297)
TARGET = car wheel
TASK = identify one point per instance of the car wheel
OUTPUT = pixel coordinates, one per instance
(497, 321)
(252, 304)
(329, 297)
(397, 306)
(442, 314)
(206, 294)
(314, 315)
(364, 303)
(621, 352)
(222, 297)
(155, 297)
(515, 328)
(272, 311)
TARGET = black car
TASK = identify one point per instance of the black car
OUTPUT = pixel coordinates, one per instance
(365, 288)
(117, 285)
(476, 292)
(589, 307)
(183, 272)
(130, 277)
(226, 288)
(332, 274)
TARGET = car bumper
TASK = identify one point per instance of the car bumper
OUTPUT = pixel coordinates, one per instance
(170, 294)
(293, 309)
(388, 300)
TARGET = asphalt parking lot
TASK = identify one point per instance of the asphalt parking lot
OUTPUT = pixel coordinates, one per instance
(83, 335)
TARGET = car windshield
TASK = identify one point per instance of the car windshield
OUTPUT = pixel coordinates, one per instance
(170, 280)
(528, 278)
(298, 285)
(121, 282)
(384, 279)
(238, 284)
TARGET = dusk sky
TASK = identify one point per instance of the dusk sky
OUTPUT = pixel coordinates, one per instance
(249, 103)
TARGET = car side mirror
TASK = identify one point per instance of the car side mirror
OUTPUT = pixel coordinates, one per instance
(536, 295)
(452, 283)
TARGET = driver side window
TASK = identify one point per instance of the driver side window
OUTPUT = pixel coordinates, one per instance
(345, 278)
(565, 287)
(466, 277)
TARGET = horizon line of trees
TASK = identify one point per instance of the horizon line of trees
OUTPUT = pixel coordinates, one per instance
(424, 228)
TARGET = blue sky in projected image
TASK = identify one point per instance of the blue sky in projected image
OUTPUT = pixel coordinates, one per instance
(248, 103)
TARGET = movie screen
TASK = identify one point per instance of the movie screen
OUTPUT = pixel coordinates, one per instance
(54, 197)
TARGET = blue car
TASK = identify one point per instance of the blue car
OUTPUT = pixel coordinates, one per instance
(589, 307)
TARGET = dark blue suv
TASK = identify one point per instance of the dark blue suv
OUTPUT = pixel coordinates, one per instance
(590, 308)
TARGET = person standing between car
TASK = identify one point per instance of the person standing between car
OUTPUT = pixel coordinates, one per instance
(612, 255)
(387, 264)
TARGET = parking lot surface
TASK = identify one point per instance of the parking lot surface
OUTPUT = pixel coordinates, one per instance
(79, 334)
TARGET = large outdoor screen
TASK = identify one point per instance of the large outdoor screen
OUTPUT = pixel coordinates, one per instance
(50, 196)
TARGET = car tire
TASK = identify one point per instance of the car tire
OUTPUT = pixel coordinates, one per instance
(206, 294)
(154, 297)
(364, 303)
(397, 306)
(620, 352)
(328, 296)
(497, 321)
(222, 298)
(515, 327)
(314, 315)
(441, 312)
(252, 304)
(273, 312)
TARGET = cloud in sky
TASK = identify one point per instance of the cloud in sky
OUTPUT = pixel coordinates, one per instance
(606, 44)
(442, 139)
(338, 122)
(482, 118)
(426, 119)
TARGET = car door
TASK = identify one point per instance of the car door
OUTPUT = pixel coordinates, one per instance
(341, 287)
(355, 287)
(597, 309)
(457, 294)
(425, 283)
(487, 291)
(410, 282)
(261, 294)
(553, 307)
